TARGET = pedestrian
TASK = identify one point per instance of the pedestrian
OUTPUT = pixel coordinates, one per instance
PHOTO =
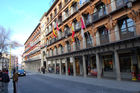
(43, 70)
(5, 80)
(1, 76)
(15, 79)
(69, 70)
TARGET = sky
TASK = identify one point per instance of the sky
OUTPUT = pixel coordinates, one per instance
(21, 17)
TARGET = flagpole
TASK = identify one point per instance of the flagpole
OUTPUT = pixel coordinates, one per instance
(10, 63)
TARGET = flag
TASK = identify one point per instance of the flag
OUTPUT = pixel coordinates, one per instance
(54, 33)
(82, 23)
(82, 27)
(57, 27)
(73, 33)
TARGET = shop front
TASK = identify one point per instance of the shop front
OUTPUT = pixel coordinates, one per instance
(63, 67)
(91, 65)
(129, 65)
(108, 68)
(79, 66)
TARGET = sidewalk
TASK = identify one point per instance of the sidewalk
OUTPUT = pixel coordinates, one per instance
(133, 87)
(6, 87)
(10, 86)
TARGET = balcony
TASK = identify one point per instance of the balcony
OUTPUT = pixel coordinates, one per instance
(99, 14)
(88, 20)
(128, 33)
(66, 15)
(77, 47)
(104, 39)
(67, 32)
(60, 21)
(77, 26)
(74, 9)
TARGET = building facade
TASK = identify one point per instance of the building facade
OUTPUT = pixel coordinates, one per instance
(108, 46)
(32, 53)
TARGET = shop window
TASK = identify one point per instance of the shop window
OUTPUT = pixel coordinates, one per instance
(108, 63)
(125, 64)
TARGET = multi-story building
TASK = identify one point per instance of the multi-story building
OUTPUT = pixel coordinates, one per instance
(32, 53)
(4, 61)
(109, 43)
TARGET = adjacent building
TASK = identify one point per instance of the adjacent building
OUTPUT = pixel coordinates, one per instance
(106, 39)
(32, 53)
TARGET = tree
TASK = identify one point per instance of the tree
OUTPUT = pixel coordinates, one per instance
(4, 38)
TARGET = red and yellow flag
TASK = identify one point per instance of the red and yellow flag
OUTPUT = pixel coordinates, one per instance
(54, 33)
(73, 33)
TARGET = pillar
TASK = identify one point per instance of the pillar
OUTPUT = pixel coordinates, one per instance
(117, 35)
(60, 67)
(66, 67)
(74, 67)
(84, 66)
(117, 65)
(98, 65)
(97, 38)
(55, 66)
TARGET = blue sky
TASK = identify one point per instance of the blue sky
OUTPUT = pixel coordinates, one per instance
(21, 17)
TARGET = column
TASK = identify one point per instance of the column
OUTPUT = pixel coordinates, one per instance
(117, 65)
(55, 66)
(60, 67)
(74, 67)
(97, 38)
(66, 67)
(117, 35)
(98, 65)
(84, 66)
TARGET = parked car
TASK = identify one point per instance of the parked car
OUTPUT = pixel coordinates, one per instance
(21, 72)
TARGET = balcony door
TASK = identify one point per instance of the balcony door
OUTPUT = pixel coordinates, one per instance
(127, 28)
(104, 36)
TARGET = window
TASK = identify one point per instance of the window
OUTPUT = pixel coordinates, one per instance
(104, 36)
(55, 11)
(88, 40)
(62, 49)
(77, 42)
(127, 28)
(68, 47)
(87, 19)
(60, 6)
(66, 1)
(125, 63)
(108, 63)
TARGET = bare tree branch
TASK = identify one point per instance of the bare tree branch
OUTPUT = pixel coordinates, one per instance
(4, 38)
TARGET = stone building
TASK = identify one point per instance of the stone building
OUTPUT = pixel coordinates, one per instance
(109, 44)
(32, 53)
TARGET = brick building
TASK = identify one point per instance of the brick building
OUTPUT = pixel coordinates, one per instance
(109, 42)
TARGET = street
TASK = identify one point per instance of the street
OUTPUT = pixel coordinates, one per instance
(35, 83)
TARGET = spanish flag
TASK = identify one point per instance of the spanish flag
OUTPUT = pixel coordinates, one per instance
(54, 33)
(73, 33)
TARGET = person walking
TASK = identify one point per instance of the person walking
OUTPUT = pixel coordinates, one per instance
(5, 81)
(15, 79)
